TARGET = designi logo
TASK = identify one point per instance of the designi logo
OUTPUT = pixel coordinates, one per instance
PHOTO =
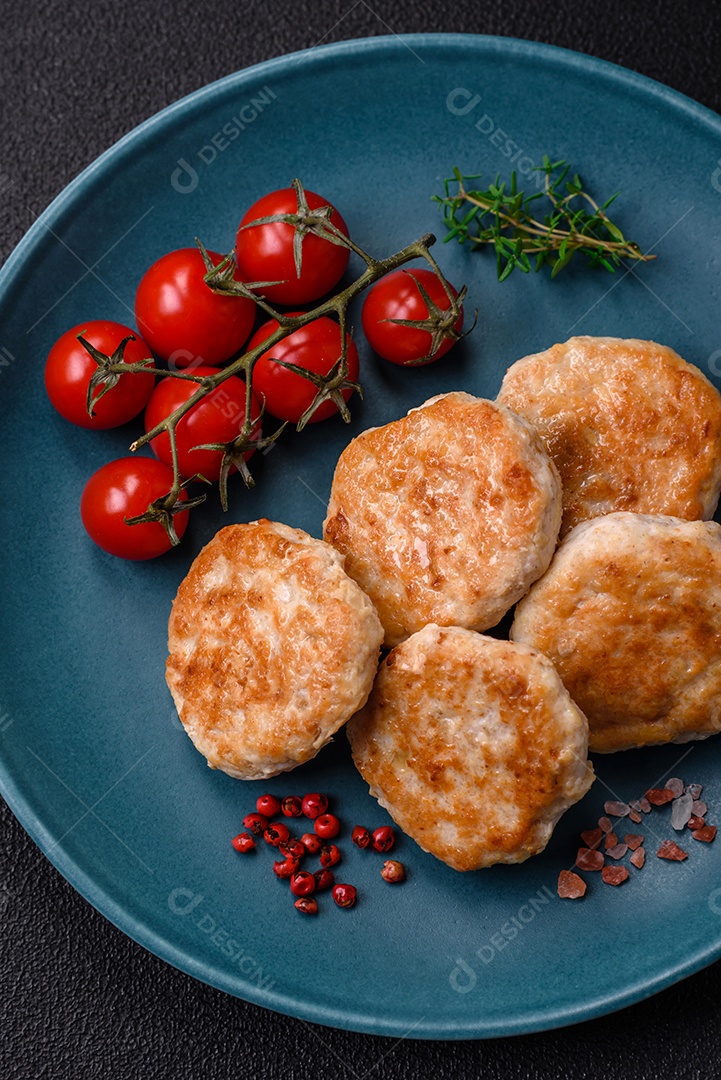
(184, 178)
(716, 177)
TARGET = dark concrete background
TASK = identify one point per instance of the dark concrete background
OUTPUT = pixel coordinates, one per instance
(78, 999)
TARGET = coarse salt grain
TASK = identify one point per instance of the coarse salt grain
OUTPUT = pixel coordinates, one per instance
(681, 812)
(670, 850)
(660, 796)
(688, 809)
(592, 837)
(706, 834)
(614, 875)
(570, 885)
(589, 859)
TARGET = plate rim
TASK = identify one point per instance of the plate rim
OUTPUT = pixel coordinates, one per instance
(498, 43)
(145, 935)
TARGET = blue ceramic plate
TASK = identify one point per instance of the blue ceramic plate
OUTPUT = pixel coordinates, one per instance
(94, 761)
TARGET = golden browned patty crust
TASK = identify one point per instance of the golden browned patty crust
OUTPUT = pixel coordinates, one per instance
(629, 424)
(473, 745)
(446, 515)
(630, 613)
(272, 648)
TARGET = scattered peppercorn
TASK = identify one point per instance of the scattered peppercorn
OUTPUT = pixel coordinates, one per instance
(268, 805)
(256, 823)
(307, 904)
(383, 838)
(291, 806)
(324, 879)
(302, 883)
(393, 872)
(292, 849)
(311, 843)
(243, 842)
(327, 826)
(330, 856)
(277, 833)
(285, 868)
(344, 895)
(360, 836)
(314, 805)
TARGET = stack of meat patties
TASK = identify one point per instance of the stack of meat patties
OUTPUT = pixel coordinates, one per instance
(438, 524)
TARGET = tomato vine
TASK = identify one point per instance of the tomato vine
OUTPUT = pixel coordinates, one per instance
(220, 277)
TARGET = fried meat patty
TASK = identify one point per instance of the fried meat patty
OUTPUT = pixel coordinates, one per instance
(446, 515)
(629, 424)
(272, 648)
(473, 745)
(630, 613)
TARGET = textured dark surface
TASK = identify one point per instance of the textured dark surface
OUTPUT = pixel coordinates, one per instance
(78, 998)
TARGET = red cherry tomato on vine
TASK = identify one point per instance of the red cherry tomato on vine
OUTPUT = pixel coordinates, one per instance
(315, 347)
(265, 252)
(182, 319)
(217, 418)
(69, 368)
(397, 296)
(124, 489)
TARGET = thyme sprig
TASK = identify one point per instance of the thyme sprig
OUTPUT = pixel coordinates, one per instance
(507, 218)
(220, 277)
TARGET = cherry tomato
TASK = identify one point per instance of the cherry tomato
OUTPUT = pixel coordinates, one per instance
(265, 252)
(124, 489)
(69, 368)
(182, 319)
(217, 418)
(315, 347)
(397, 296)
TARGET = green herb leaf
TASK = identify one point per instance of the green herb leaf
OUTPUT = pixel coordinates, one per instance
(504, 217)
